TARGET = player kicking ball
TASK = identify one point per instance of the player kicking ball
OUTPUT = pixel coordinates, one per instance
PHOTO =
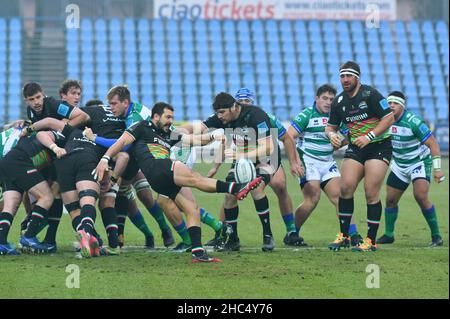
(152, 142)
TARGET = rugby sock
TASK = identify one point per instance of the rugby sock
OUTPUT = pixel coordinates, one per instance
(183, 232)
(195, 233)
(88, 219)
(38, 216)
(297, 230)
(231, 216)
(25, 222)
(139, 222)
(431, 218)
(76, 223)
(97, 235)
(352, 230)
(289, 222)
(109, 218)
(5, 224)
(209, 220)
(262, 208)
(374, 212)
(158, 215)
(346, 207)
(390, 217)
(122, 203)
(225, 187)
(54, 216)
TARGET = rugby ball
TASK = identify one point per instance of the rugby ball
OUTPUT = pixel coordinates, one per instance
(244, 171)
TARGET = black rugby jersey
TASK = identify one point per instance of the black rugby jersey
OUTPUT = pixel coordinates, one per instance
(151, 142)
(102, 121)
(251, 125)
(53, 108)
(361, 114)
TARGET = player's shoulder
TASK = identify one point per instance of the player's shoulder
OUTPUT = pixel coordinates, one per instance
(412, 118)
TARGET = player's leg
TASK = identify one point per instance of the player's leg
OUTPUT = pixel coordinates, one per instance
(279, 187)
(88, 193)
(184, 176)
(396, 185)
(421, 189)
(175, 217)
(106, 205)
(374, 173)
(54, 217)
(192, 213)
(145, 195)
(352, 172)
(231, 212)
(205, 217)
(311, 196)
(261, 203)
(11, 202)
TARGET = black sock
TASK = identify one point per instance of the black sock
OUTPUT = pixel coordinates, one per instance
(345, 207)
(374, 212)
(54, 216)
(262, 208)
(88, 218)
(195, 233)
(25, 222)
(76, 223)
(38, 216)
(5, 224)
(122, 203)
(231, 216)
(109, 218)
(225, 187)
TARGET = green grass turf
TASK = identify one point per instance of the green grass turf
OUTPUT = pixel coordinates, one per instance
(408, 268)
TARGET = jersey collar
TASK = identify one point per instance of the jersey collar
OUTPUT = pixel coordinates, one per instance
(400, 118)
(130, 107)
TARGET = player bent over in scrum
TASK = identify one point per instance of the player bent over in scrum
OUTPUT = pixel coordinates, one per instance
(152, 142)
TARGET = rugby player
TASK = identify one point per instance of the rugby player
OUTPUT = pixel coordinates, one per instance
(368, 117)
(415, 154)
(152, 142)
(316, 153)
(245, 96)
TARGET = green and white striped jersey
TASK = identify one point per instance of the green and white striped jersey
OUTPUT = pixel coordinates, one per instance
(136, 113)
(311, 124)
(9, 139)
(409, 133)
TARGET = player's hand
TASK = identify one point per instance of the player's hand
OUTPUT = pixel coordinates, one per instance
(19, 124)
(230, 154)
(218, 136)
(439, 176)
(100, 170)
(361, 142)
(335, 140)
(89, 134)
(212, 172)
(59, 151)
(297, 169)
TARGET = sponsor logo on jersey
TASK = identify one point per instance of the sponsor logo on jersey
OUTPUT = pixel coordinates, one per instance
(423, 128)
(356, 118)
(384, 104)
(417, 170)
(262, 127)
(324, 121)
(340, 99)
(394, 129)
(363, 105)
(63, 110)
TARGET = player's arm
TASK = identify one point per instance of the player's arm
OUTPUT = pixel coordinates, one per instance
(78, 117)
(47, 139)
(292, 154)
(433, 145)
(201, 139)
(102, 167)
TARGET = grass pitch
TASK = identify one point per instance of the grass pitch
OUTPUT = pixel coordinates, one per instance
(408, 268)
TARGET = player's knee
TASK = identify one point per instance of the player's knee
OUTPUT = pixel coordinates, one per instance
(421, 198)
(372, 195)
(279, 188)
(46, 201)
(391, 201)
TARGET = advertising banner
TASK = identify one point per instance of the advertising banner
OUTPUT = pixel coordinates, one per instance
(273, 9)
